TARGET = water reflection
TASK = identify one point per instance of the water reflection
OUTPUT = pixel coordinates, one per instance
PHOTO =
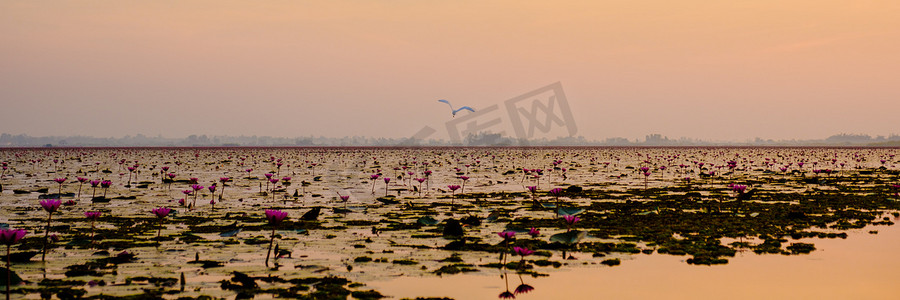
(858, 267)
(506, 294)
(522, 288)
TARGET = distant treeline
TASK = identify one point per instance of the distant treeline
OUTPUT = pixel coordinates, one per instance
(478, 139)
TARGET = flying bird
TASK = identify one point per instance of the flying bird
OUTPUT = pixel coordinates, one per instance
(454, 111)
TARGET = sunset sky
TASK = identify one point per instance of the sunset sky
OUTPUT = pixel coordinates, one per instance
(715, 70)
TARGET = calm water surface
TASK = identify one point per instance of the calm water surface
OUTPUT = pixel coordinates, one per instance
(863, 266)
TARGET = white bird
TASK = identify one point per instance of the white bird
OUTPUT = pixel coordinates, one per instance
(454, 111)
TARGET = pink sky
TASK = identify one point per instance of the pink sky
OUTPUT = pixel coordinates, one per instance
(719, 70)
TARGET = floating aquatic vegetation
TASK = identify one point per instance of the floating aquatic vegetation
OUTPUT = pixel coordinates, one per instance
(414, 230)
(569, 237)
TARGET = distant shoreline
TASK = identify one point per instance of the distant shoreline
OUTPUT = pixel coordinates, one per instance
(454, 147)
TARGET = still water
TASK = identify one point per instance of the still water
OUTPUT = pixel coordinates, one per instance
(863, 266)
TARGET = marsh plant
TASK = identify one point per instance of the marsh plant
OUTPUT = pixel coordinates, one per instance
(51, 206)
(93, 216)
(10, 237)
(275, 217)
(160, 214)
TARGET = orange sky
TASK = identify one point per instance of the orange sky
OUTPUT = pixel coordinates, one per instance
(720, 70)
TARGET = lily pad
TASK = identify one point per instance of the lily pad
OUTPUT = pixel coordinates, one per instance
(387, 200)
(206, 264)
(312, 214)
(570, 237)
(56, 196)
(14, 278)
(100, 200)
(21, 256)
(493, 216)
(230, 233)
(570, 211)
(452, 228)
(427, 220)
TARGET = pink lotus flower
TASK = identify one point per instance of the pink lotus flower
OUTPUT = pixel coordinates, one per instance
(161, 212)
(464, 179)
(10, 237)
(50, 205)
(556, 192)
(522, 251)
(571, 220)
(506, 235)
(92, 215)
(373, 177)
(275, 217)
(223, 180)
(60, 180)
(534, 232)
